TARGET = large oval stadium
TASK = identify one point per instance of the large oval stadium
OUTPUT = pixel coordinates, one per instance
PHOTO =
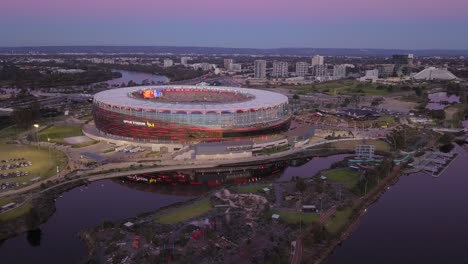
(189, 113)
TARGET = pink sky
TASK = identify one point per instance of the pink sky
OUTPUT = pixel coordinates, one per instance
(235, 9)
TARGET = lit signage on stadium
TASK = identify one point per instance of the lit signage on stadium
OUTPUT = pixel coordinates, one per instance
(136, 123)
(148, 94)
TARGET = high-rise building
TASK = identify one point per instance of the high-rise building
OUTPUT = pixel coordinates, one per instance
(320, 70)
(228, 63)
(317, 60)
(302, 68)
(402, 64)
(280, 69)
(260, 69)
(184, 60)
(386, 70)
(339, 71)
(168, 63)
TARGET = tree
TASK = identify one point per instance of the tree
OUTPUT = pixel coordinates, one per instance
(300, 185)
(296, 97)
(34, 237)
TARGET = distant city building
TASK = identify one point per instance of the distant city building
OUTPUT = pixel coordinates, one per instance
(302, 68)
(317, 60)
(280, 69)
(260, 69)
(184, 60)
(402, 64)
(339, 71)
(237, 67)
(320, 70)
(168, 63)
(386, 70)
(204, 66)
(433, 73)
(370, 75)
(228, 64)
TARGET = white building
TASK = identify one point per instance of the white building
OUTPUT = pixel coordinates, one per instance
(339, 71)
(168, 63)
(204, 66)
(236, 67)
(184, 60)
(320, 70)
(317, 60)
(260, 69)
(371, 75)
(280, 69)
(228, 64)
(433, 73)
(302, 68)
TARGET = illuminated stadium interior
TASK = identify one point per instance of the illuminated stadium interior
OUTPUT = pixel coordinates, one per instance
(180, 113)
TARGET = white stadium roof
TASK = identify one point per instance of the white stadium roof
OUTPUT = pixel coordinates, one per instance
(120, 97)
(433, 73)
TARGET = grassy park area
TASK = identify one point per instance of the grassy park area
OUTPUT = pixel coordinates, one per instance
(185, 213)
(338, 220)
(296, 217)
(345, 87)
(39, 157)
(253, 188)
(15, 212)
(58, 133)
(380, 145)
(345, 176)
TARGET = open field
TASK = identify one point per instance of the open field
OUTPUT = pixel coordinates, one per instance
(39, 158)
(5, 201)
(252, 188)
(296, 217)
(343, 175)
(185, 213)
(58, 133)
(338, 220)
(343, 87)
(380, 145)
(15, 212)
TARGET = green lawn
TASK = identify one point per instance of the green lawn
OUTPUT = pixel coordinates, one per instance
(343, 175)
(58, 133)
(39, 158)
(15, 212)
(380, 145)
(338, 220)
(296, 217)
(252, 188)
(185, 213)
(10, 133)
(5, 201)
(345, 87)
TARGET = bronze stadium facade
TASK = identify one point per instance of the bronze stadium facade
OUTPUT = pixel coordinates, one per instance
(189, 113)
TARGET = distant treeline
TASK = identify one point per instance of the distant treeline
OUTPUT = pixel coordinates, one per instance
(11, 75)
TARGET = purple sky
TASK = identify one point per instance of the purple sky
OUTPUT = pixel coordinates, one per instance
(410, 24)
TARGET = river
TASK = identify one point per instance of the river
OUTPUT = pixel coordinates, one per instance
(85, 207)
(137, 77)
(420, 219)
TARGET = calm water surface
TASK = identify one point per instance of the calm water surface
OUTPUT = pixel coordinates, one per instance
(421, 219)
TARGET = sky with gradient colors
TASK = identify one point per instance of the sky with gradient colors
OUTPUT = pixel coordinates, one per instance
(401, 24)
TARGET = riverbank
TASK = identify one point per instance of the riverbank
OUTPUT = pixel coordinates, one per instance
(42, 207)
(360, 208)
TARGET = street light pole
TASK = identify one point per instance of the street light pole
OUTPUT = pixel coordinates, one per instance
(37, 140)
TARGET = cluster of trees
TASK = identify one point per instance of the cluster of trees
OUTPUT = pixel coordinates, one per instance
(372, 177)
(33, 77)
